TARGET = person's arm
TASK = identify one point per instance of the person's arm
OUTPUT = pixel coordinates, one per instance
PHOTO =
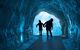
(44, 24)
(52, 25)
(37, 24)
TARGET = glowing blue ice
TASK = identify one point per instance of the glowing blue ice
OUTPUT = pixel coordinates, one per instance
(21, 38)
(21, 28)
(44, 16)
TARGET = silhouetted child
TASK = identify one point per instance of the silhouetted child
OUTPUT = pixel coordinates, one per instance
(40, 24)
(49, 26)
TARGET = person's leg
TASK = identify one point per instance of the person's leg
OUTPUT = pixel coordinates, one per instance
(47, 33)
(50, 33)
(40, 33)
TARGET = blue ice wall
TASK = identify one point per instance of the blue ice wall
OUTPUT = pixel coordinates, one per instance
(21, 27)
(44, 16)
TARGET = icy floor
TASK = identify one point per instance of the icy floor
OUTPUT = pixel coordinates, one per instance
(28, 43)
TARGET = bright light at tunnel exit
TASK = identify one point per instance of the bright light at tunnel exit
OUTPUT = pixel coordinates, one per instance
(44, 16)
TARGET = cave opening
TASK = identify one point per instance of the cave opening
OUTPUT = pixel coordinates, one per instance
(45, 16)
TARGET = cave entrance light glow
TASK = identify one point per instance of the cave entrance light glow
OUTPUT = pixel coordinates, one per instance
(44, 16)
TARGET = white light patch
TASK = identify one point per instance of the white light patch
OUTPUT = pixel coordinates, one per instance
(44, 16)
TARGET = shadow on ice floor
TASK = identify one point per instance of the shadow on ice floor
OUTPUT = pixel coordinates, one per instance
(43, 43)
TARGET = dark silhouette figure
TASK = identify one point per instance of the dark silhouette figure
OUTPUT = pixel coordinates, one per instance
(40, 24)
(49, 26)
